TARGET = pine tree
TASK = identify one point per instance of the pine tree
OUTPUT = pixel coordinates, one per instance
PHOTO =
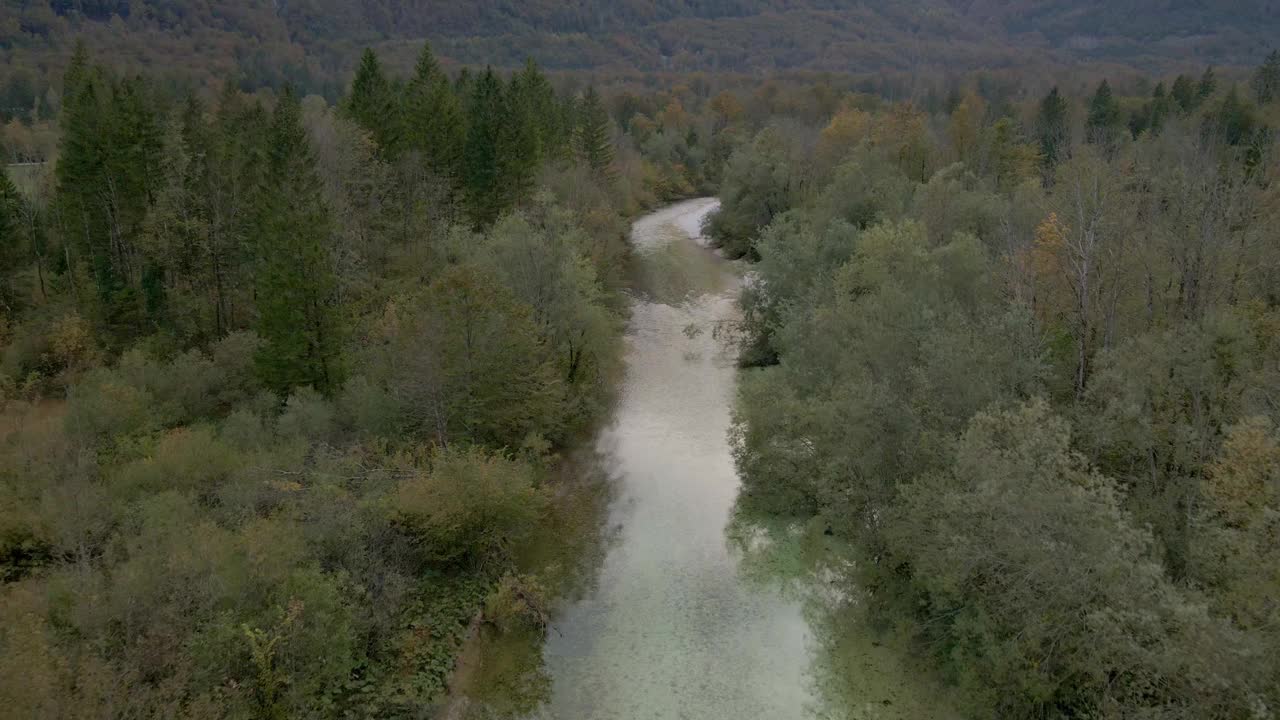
(1158, 109)
(1051, 129)
(1184, 94)
(107, 174)
(372, 104)
(294, 276)
(481, 163)
(1233, 120)
(1266, 81)
(534, 92)
(593, 144)
(1208, 85)
(77, 72)
(1104, 116)
(434, 124)
(519, 143)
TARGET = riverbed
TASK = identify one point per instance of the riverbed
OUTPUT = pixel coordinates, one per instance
(678, 607)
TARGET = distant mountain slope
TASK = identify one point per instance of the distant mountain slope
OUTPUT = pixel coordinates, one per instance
(315, 40)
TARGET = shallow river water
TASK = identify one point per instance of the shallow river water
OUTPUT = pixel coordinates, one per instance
(684, 610)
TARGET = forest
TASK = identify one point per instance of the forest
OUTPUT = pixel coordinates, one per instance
(286, 382)
(315, 44)
(1025, 359)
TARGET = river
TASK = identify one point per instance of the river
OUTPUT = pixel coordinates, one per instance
(684, 610)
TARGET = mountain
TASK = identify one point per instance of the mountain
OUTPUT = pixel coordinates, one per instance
(315, 41)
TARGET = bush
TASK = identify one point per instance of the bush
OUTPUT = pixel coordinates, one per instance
(307, 416)
(104, 406)
(471, 506)
(189, 459)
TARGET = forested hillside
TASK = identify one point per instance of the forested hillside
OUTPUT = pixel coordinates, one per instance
(314, 42)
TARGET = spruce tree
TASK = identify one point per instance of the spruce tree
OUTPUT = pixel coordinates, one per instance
(519, 143)
(372, 104)
(1233, 120)
(1158, 109)
(533, 91)
(107, 175)
(1184, 94)
(593, 144)
(434, 124)
(481, 163)
(294, 277)
(1104, 116)
(77, 72)
(1051, 129)
(1266, 80)
(1208, 85)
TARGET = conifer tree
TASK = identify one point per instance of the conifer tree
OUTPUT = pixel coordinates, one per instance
(77, 72)
(294, 278)
(519, 143)
(1051, 129)
(107, 175)
(1151, 117)
(1208, 85)
(533, 91)
(1233, 120)
(1104, 116)
(1184, 94)
(481, 162)
(594, 146)
(434, 124)
(1266, 80)
(372, 104)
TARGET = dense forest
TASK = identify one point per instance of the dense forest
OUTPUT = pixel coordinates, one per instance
(1025, 358)
(315, 43)
(289, 361)
(285, 383)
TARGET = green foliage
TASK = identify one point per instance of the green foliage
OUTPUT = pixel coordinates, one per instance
(1039, 591)
(517, 603)
(548, 269)
(467, 363)
(434, 122)
(1051, 128)
(372, 104)
(297, 322)
(196, 517)
(471, 507)
(1040, 406)
(1266, 80)
(481, 160)
(1104, 118)
(592, 140)
(1184, 93)
(761, 181)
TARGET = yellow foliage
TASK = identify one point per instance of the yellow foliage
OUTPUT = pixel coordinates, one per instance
(726, 108)
(1243, 480)
(674, 117)
(965, 126)
(71, 341)
(1046, 253)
